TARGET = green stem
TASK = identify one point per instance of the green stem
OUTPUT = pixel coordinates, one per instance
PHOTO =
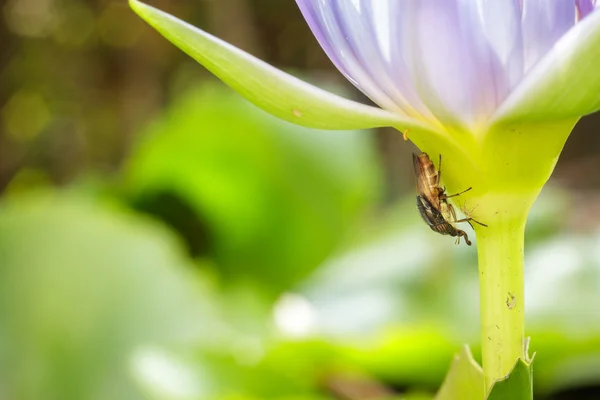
(501, 281)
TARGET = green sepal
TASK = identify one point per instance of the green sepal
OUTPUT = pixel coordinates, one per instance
(518, 385)
(269, 88)
(464, 379)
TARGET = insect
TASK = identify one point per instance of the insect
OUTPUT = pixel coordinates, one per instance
(432, 200)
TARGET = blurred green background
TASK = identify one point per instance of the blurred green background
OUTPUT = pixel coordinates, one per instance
(161, 238)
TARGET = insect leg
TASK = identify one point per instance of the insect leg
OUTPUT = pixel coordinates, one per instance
(477, 222)
(469, 221)
(457, 194)
(463, 233)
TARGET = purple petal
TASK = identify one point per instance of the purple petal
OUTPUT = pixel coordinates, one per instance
(544, 22)
(468, 55)
(400, 19)
(500, 25)
(442, 63)
(366, 27)
(451, 60)
(346, 47)
(584, 7)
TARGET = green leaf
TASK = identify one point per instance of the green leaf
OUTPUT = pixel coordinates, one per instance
(268, 201)
(267, 87)
(564, 84)
(82, 287)
(464, 380)
(517, 386)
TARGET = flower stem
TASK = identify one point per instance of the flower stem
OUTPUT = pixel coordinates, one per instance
(502, 289)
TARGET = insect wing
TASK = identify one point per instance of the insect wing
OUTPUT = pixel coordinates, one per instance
(427, 182)
(429, 214)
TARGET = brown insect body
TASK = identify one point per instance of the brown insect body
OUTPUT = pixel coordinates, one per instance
(432, 200)
(440, 221)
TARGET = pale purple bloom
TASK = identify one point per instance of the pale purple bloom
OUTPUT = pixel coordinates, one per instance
(454, 61)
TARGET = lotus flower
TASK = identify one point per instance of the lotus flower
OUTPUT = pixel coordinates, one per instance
(496, 86)
(449, 62)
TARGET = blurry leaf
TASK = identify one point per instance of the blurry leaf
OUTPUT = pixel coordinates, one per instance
(392, 289)
(269, 88)
(542, 223)
(517, 386)
(82, 286)
(266, 199)
(565, 360)
(464, 379)
(415, 396)
(399, 276)
(288, 371)
(410, 355)
(164, 376)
